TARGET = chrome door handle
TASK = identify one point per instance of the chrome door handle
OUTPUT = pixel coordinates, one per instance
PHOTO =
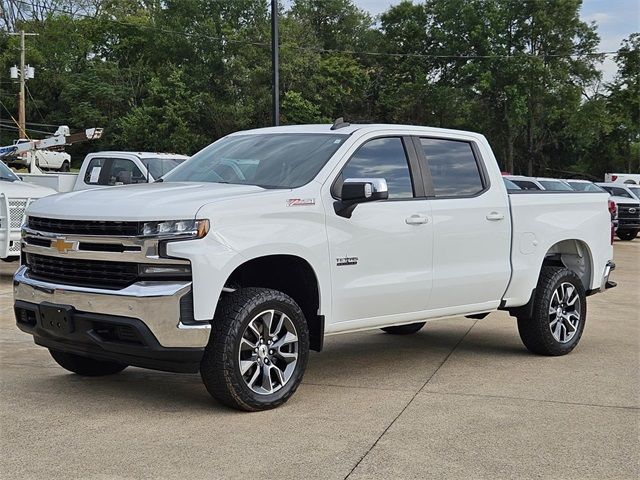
(416, 220)
(495, 216)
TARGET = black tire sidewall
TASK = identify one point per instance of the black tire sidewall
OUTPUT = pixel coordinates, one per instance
(541, 313)
(296, 316)
(627, 235)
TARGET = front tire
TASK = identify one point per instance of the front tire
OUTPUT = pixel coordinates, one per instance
(258, 350)
(66, 166)
(627, 235)
(404, 329)
(559, 313)
(85, 366)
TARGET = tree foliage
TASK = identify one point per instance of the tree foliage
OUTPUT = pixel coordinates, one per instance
(174, 75)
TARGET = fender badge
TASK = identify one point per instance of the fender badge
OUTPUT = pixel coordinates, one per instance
(343, 261)
(300, 202)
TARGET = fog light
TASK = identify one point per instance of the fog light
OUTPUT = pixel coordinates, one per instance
(164, 270)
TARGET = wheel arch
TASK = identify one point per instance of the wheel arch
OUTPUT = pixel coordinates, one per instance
(289, 274)
(574, 255)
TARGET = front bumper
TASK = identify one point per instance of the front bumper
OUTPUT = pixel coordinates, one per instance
(158, 311)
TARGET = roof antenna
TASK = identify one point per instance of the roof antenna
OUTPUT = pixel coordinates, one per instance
(339, 123)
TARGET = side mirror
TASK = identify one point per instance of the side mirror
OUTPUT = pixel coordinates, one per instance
(360, 190)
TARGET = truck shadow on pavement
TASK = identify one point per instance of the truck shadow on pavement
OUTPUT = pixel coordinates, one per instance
(374, 359)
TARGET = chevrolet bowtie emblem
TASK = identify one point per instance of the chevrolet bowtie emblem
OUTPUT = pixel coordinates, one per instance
(61, 245)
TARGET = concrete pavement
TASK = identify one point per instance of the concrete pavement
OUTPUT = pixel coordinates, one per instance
(460, 399)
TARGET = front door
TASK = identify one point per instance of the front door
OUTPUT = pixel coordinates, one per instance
(381, 257)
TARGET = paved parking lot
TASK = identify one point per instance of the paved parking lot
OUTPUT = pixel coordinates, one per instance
(461, 399)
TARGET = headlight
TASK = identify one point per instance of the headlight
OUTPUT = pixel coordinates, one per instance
(176, 228)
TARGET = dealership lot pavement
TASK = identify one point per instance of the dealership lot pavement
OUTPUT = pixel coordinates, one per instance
(461, 399)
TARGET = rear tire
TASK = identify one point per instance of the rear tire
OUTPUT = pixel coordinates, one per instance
(85, 366)
(66, 167)
(627, 234)
(257, 351)
(404, 329)
(559, 313)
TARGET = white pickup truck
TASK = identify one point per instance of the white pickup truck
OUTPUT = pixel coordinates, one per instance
(247, 255)
(15, 197)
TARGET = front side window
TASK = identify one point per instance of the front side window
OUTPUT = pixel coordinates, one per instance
(277, 160)
(453, 167)
(380, 158)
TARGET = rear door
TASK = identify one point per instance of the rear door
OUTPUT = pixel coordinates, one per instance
(471, 227)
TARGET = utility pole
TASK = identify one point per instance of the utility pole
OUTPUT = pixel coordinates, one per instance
(23, 74)
(275, 64)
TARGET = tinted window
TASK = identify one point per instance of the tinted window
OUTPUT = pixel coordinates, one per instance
(618, 192)
(381, 158)
(453, 167)
(510, 185)
(526, 185)
(555, 185)
(276, 160)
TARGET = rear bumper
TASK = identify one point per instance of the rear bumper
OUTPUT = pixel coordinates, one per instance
(165, 308)
(605, 283)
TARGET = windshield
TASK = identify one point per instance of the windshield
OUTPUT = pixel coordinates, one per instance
(6, 174)
(635, 191)
(158, 167)
(286, 160)
(555, 185)
(585, 187)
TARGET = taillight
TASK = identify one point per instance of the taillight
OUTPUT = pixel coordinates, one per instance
(614, 178)
(613, 210)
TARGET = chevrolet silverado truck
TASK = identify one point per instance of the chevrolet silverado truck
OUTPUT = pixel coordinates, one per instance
(245, 257)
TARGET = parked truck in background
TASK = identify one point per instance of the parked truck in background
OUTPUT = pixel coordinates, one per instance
(15, 197)
(247, 255)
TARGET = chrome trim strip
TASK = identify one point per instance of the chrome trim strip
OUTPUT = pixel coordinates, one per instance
(157, 304)
(148, 252)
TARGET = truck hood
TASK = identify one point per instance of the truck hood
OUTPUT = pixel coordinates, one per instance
(19, 189)
(152, 201)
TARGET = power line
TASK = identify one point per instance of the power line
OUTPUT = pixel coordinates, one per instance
(34, 102)
(336, 51)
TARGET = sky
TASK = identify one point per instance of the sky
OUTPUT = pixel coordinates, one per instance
(616, 19)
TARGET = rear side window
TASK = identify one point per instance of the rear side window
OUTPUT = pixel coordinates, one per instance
(380, 158)
(453, 167)
(526, 185)
(113, 171)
